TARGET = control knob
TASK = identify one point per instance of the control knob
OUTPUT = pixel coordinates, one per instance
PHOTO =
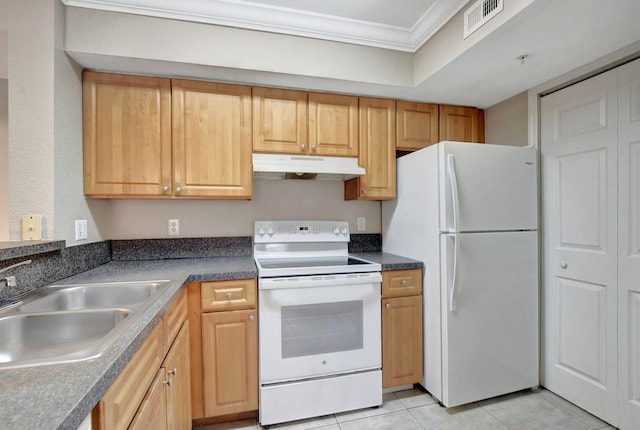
(336, 230)
(270, 231)
(344, 230)
(261, 231)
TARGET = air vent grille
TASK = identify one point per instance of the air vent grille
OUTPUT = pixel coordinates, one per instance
(479, 14)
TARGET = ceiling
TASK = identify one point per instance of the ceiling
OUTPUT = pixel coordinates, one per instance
(558, 36)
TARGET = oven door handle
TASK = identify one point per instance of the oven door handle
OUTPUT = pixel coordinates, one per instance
(316, 281)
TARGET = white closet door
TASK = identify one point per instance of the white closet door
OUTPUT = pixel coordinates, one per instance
(579, 187)
(629, 244)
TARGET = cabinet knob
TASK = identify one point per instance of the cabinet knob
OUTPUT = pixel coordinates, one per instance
(314, 148)
(165, 188)
(364, 191)
(251, 318)
(178, 189)
(564, 264)
(168, 382)
(228, 296)
(173, 372)
(388, 306)
(404, 282)
(303, 146)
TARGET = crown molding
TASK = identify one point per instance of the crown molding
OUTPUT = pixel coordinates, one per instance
(293, 22)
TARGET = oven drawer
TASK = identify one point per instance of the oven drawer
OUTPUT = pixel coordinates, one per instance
(401, 283)
(228, 295)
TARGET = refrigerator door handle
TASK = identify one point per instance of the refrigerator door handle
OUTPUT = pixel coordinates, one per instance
(454, 275)
(455, 201)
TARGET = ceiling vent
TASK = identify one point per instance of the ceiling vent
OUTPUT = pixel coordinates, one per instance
(479, 14)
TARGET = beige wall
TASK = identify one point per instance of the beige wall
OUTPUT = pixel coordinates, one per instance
(30, 64)
(4, 160)
(272, 199)
(506, 123)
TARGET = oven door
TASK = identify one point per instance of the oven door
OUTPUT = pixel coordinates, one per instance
(314, 326)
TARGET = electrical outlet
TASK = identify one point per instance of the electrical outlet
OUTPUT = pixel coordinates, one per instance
(81, 229)
(174, 227)
(362, 223)
(32, 227)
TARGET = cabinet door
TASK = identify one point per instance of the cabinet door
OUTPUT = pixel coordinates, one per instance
(461, 124)
(152, 414)
(127, 135)
(377, 152)
(401, 341)
(178, 390)
(279, 121)
(417, 125)
(118, 406)
(230, 362)
(211, 140)
(333, 125)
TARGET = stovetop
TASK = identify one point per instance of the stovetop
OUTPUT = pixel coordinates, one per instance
(295, 248)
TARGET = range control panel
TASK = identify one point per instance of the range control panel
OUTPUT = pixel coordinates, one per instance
(300, 231)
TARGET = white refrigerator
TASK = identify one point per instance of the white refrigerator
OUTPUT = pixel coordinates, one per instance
(469, 213)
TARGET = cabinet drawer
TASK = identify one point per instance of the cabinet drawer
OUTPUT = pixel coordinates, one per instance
(173, 320)
(120, 403)
(228, 295)
(401, 283)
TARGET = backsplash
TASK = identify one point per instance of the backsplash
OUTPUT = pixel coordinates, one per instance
(49, 267)
(158, 249)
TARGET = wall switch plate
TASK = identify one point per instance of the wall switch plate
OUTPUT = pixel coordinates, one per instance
(81, 229)
(32, 227)
(174, 227)
(362, 223)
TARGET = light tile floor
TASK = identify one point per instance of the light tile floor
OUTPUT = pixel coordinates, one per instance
(536, 409)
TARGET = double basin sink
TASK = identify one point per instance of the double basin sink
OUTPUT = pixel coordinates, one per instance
(65, 323)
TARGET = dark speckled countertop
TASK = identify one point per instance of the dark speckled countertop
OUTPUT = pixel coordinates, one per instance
(60, 396)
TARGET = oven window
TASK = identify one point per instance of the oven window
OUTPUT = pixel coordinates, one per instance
(321, 328)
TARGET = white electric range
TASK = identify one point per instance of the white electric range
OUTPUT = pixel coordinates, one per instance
(319, 313)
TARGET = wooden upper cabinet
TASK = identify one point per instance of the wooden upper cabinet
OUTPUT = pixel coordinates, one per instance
(461, 124)
(333, 125)
(127, 135)
(377, 152)
(416, 125)
(279, 121)
(297, 122)
(212, 140)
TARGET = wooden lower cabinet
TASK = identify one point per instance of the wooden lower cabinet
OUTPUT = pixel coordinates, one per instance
(152, 414)
(153, 391)
(401, 328)
(224, 350)
(230, 362)
(178, 377)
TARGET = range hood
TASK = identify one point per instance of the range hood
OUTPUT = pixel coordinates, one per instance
(286, 166)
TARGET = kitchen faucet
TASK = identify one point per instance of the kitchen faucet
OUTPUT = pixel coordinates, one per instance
(10, 281)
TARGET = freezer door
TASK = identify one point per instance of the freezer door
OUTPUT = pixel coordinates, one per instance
(490, 335)
(486, 187)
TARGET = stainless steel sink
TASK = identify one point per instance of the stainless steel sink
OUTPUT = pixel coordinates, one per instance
(63, 323)
(63, 336)
(128, 295)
